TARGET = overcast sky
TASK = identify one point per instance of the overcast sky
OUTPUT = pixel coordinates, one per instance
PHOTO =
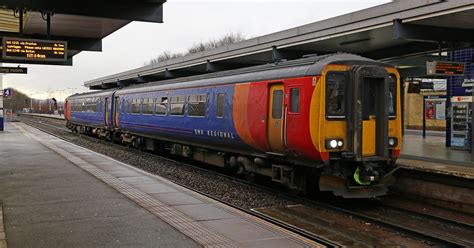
(185, 22)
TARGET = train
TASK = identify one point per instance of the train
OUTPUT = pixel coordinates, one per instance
(318, 123)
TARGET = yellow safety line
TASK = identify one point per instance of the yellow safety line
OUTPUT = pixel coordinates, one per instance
(3, 237)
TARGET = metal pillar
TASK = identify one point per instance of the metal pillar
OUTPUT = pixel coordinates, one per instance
(424, 117)
(402, 98)
(472, 111)
(48, 25)
(1, 103)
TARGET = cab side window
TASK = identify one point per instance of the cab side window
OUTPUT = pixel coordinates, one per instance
(335, 95)
(294, 100)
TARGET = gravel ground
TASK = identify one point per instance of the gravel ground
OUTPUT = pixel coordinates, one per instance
(220, 187)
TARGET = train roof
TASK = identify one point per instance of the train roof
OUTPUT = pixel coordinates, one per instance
(309, 66)
(92, 94)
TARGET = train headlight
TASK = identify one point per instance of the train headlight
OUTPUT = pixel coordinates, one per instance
(334, 143)
(392, 141)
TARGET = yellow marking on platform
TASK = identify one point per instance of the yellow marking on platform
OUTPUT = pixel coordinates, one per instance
(3, 238)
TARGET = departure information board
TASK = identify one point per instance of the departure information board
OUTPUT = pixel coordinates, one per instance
(34, 50)
(445, 68)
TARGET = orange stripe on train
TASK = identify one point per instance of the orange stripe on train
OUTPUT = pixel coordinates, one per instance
(240, 114)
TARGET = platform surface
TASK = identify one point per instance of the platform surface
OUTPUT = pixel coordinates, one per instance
(56, 194)
(53, 116)
(430, 154)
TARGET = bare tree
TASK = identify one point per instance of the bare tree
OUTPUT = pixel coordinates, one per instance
(227, 39)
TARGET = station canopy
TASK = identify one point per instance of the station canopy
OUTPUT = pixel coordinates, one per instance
(405, 33)
(80, 24)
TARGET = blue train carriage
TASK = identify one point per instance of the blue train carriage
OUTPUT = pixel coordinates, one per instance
(187, 113)
(89, 113)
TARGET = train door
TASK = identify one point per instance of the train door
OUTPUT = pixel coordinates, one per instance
(106, 112)
(276, 118)
(371, 118)
(116, 107)
(368, 116)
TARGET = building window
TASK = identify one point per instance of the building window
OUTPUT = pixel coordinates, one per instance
(220, 105)
(335, 94)
(197, 105)
(277, 105)
(295, 100)
(147, 106)
(161, 105)
(177, 105)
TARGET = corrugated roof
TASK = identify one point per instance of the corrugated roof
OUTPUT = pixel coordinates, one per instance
(8, 21)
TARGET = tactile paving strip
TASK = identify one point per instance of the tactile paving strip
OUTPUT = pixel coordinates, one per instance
(3, 238)
(175, 218)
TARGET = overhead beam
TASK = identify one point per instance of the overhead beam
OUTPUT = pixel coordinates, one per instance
(413, 72)
(68, 62)
(73, 43)
(286, 54)
(411, 48)
(219, 66)
(132, 10)
(417, 32)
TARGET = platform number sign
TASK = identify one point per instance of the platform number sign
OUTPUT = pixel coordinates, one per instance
(7, 93)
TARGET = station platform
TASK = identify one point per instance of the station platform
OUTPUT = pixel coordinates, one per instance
(57, 194)
(431, 155)
(53, 116)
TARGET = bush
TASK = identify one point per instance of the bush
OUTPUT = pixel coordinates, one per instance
(227, 39)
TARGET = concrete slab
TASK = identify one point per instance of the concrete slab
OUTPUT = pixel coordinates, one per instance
(240, 230)
(139, 180)
(176, 199)
(431, 155)
(105, 207)
(269, 243)
(433, 148)
(203, 212)
(49, 202)
(153, 188)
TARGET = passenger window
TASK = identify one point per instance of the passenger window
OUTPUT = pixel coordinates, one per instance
(161, 105)
(277, 107)
(392, 86)
(124, 106)
(197, 105)
(135, 106)
(220, 105)
(147, 106)
(177, 105)
(295, 100)
(335, 94)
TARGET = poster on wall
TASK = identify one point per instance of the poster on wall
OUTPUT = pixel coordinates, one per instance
(440, 110)
(430, 110)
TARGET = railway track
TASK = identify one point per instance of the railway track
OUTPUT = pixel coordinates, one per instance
(440, 231)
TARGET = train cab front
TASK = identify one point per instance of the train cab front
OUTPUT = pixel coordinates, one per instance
(361, 131)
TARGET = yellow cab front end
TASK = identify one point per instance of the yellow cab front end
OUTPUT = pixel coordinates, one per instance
(356, 122)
